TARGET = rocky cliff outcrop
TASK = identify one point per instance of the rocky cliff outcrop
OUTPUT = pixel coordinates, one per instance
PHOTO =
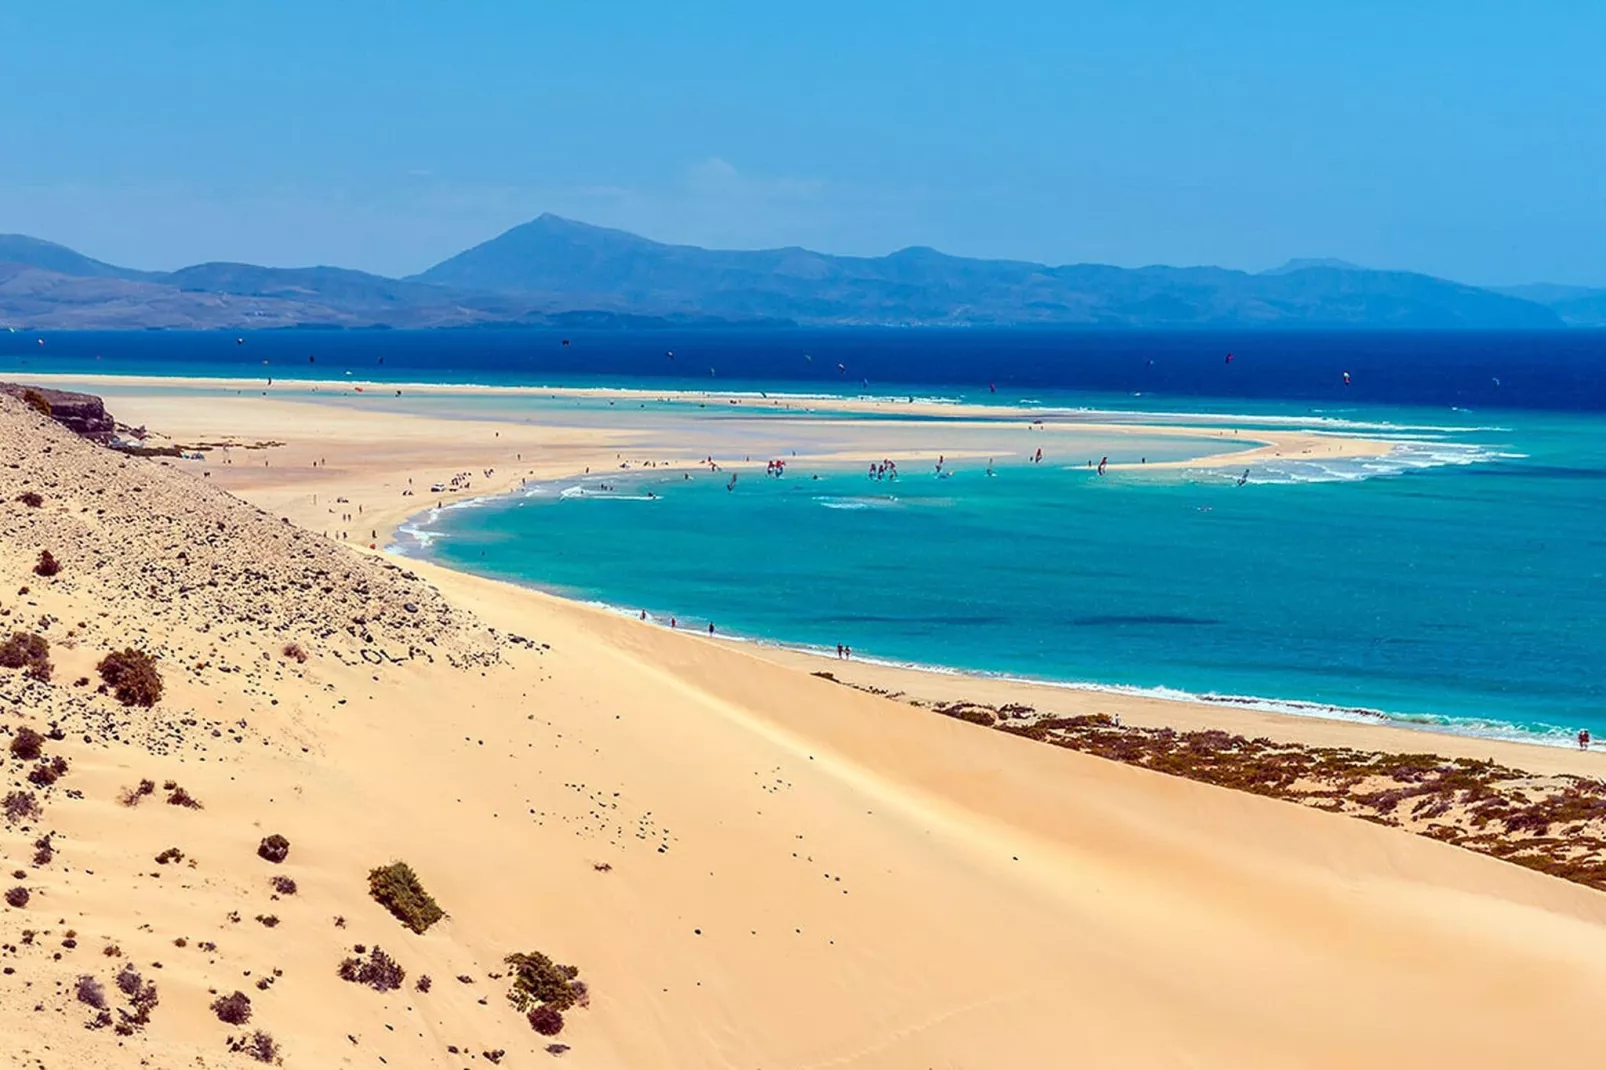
(83, 414)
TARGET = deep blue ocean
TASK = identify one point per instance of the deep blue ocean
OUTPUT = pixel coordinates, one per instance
(1459, 582)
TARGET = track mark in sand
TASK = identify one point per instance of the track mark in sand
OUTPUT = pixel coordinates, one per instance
(894, 1037)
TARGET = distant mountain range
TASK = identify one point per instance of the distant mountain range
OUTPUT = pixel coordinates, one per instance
(557, 272)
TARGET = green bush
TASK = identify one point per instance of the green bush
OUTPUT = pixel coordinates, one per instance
(396, 888)
(539, 980)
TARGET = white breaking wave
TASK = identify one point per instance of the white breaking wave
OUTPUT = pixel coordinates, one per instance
(856, 503)
(1408, 455)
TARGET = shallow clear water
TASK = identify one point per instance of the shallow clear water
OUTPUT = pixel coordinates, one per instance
(1461, 582)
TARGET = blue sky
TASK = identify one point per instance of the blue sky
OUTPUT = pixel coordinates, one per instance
(1462, 139)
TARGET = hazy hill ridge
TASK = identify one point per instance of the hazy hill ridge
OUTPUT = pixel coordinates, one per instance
(543, 271)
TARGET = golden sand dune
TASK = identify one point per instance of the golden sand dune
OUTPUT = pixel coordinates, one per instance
(751, 867)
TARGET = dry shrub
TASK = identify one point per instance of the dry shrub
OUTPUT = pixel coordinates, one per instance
(92, 992)
(537, 979)
(396, 888)
(19, 806)
(172, 854)
(235, 1009)
(283, 885)
(132, 676)
(181, 797)
(294, 652)
(268, 920)
(423, 984)
(18, 897)
(274, 848)
(47, 773)
(132, 796)
(142, 1000)
(47, 564)
(548, 1021)
(259, 1045)
(27, 745)
(378, 971)
(31, 499)
(25, 650)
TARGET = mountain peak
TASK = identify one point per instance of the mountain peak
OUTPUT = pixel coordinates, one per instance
(1301, 263)
(48, 256)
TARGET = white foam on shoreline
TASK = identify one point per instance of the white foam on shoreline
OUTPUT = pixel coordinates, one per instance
(1441, 724)
(1407, 455)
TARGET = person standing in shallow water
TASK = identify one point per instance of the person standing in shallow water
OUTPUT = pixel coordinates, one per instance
(1583, 739)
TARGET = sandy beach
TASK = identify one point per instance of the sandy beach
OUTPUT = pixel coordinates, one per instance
(749, 865)
(341, 444)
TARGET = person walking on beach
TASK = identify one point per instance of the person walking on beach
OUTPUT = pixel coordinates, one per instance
(710, 627)
(1583, 739)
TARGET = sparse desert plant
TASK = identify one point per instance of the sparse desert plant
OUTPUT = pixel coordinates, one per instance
(274, 848)
(19, 806)
(128, 980)
(396, 888)
(142, 999)
(537, 979)
(132, 796)
(92, 992)
(259, 1045)
(546, 1020)
(283, 885)
(294, 652)
(27, 745)
(235, 1009)
(31, 499)
(44, 850)
(47, 564)
(18, 897)
(132, 676)
(47, 773)
(172, 854)
(378, 971)
(26, 650)
(423, 984)
(181, 797)
(268, 920)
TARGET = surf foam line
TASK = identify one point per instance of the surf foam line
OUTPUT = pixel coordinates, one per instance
(1412, 455)
(1538, 733)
